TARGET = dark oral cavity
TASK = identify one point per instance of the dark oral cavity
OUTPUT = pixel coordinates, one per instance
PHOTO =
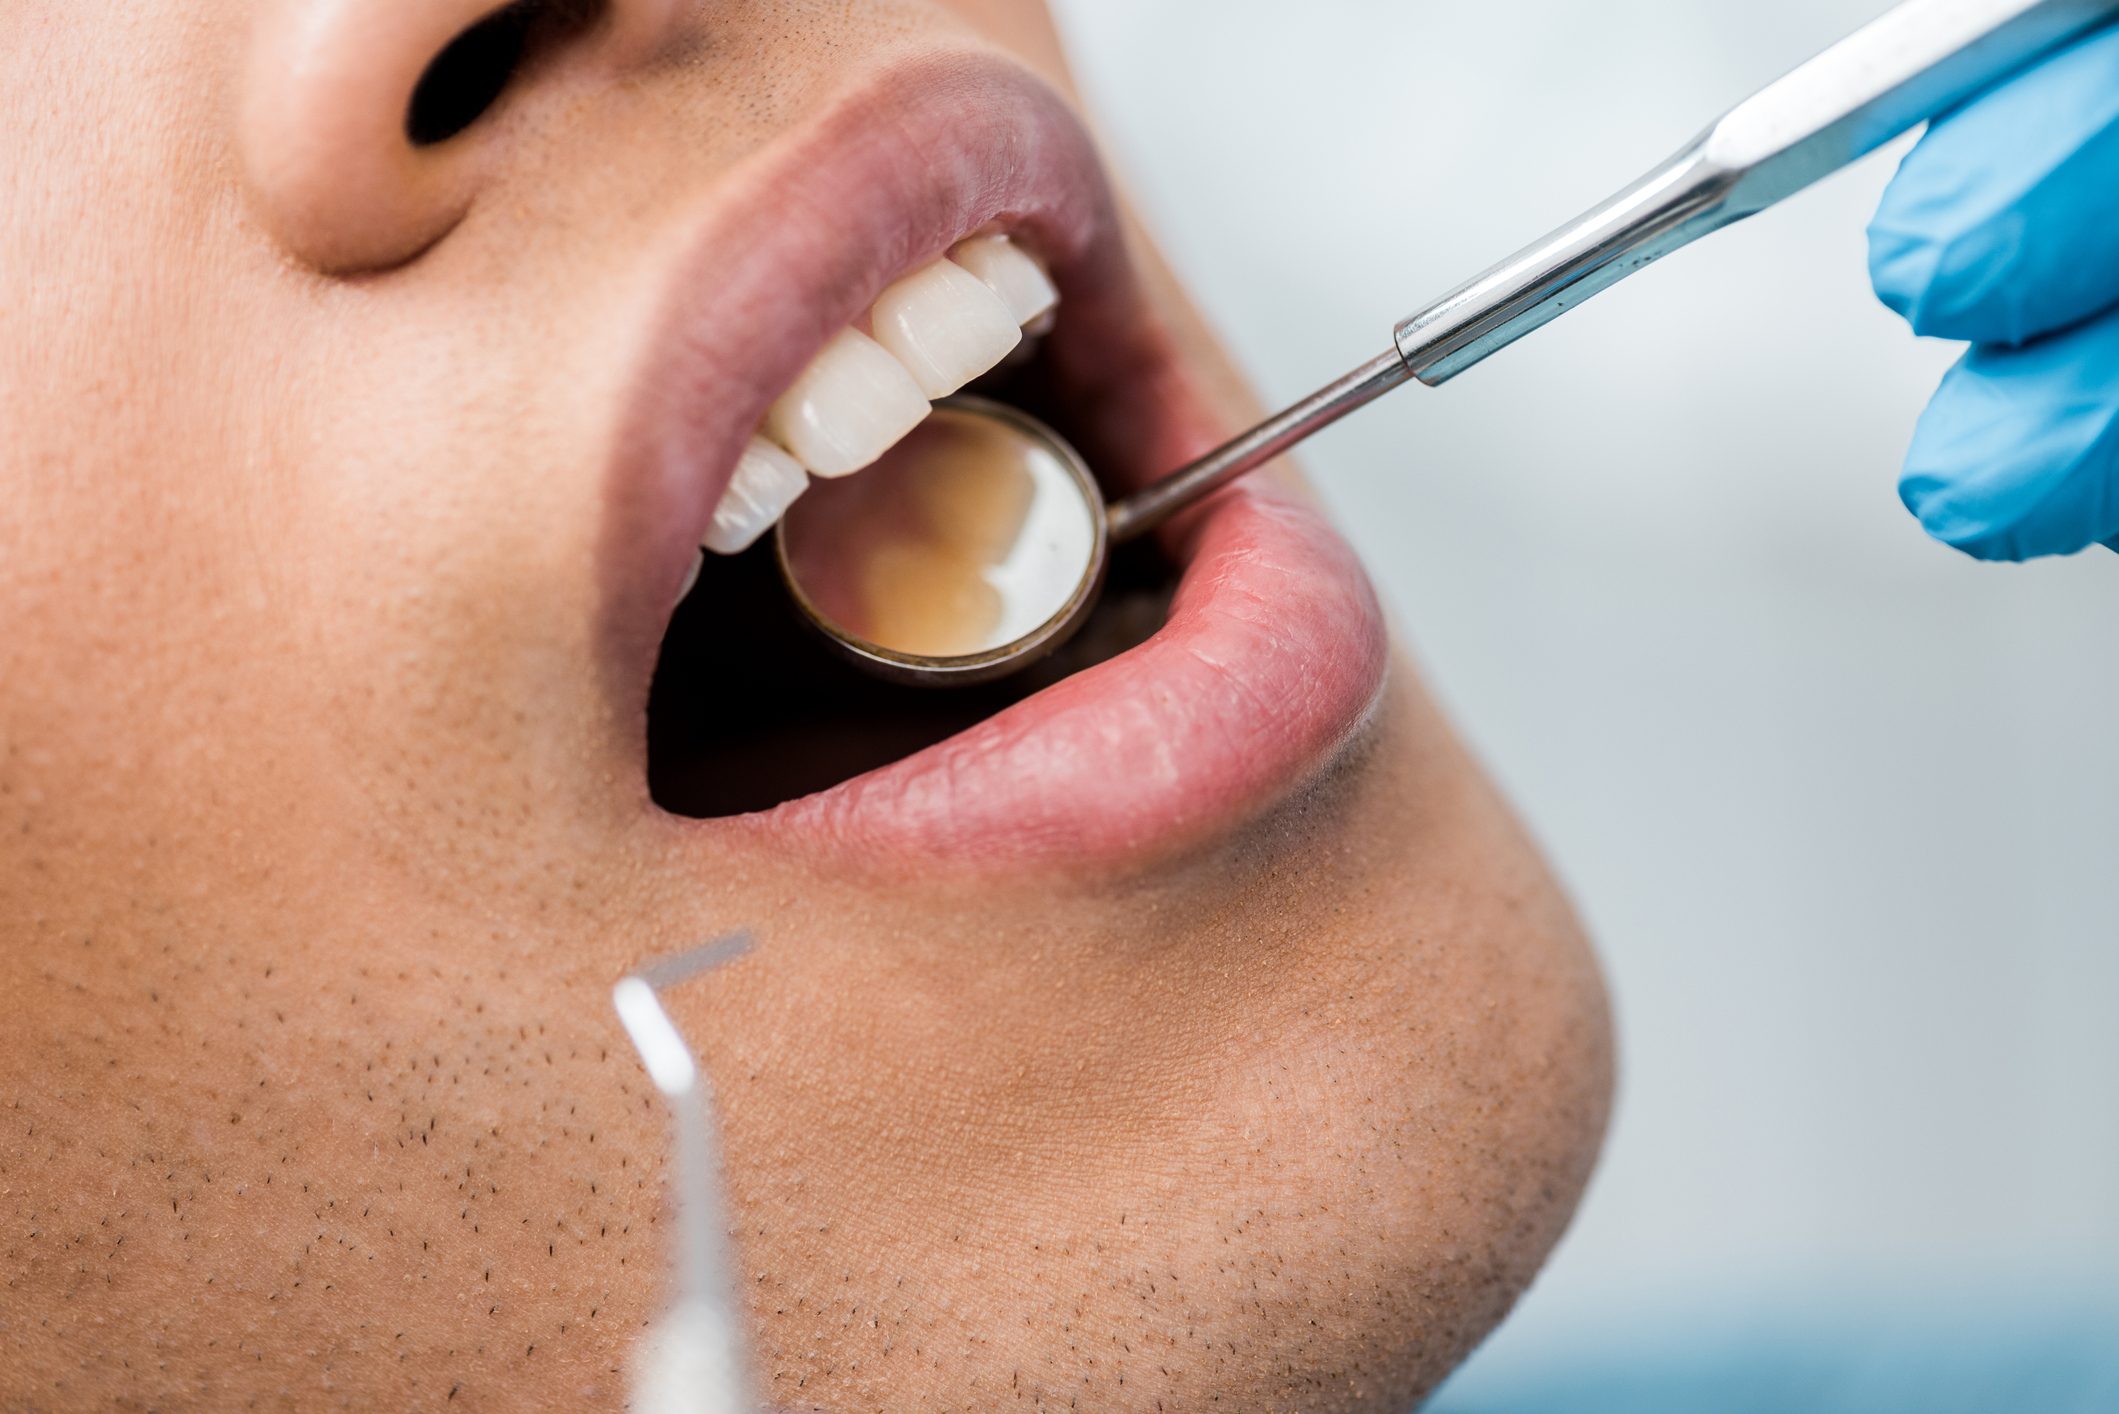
(750, 709)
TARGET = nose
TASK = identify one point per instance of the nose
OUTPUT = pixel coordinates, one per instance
(369, 126)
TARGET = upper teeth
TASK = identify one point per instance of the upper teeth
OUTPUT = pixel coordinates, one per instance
(850, 406)
(935, 331)
(946, 326)
(1020, 281)
(766, 483)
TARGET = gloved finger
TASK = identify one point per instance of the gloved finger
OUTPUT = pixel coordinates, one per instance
(2003, 223)
(2018, 455)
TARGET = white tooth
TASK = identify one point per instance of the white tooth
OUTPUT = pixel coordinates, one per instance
(945, 326)
(691, 577)
(766, 483)
(1010, 272)
(852, 404)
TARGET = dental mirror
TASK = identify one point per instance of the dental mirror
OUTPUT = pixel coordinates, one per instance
(973, 547)
(979, 543)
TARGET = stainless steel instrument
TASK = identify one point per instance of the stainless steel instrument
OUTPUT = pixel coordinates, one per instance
(694, 1359)
(1915, 63)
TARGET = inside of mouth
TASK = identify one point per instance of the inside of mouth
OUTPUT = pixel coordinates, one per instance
(750, 708)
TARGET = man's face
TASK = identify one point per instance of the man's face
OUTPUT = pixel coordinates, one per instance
(1195, 1030)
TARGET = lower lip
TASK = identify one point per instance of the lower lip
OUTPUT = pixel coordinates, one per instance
(1269, 666)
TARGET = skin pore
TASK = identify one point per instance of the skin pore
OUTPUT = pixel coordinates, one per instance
(328, 835)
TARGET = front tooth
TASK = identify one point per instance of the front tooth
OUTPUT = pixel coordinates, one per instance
(945, 326)
(852, 404)
(1010, 272)
(766, 483)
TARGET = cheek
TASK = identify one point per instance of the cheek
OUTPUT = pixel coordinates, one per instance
(444, 541)
(449, 481)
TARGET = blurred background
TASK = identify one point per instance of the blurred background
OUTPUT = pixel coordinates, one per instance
(1841, 807)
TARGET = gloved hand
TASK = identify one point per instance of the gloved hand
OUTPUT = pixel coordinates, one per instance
(2002, 228)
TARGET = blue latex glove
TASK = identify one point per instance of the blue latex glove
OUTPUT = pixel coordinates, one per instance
(2002, 228)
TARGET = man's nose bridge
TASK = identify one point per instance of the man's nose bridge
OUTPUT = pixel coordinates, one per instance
(368, 127)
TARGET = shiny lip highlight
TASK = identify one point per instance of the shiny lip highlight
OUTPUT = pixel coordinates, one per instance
(1274, 652)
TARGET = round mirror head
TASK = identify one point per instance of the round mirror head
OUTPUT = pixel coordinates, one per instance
(975, 546)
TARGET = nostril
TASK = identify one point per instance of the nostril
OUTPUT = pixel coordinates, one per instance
(369, 127)
(469, 76)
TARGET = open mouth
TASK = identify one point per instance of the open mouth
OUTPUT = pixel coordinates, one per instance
(808, 720)
(972, 241)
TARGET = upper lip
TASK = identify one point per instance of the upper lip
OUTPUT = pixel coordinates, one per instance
(1275, 649)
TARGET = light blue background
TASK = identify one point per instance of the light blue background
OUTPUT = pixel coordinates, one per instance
(1841, 808)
